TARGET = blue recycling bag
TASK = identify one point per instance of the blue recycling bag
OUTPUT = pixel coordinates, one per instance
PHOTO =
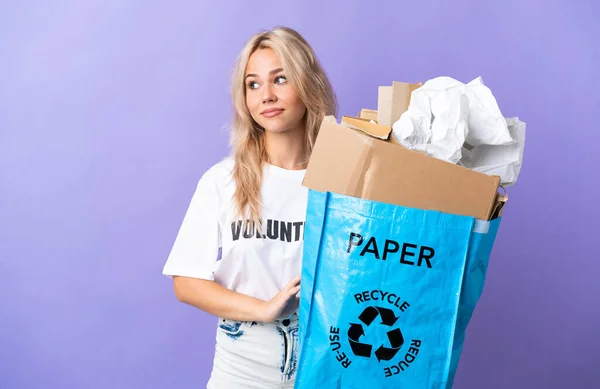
(480, 248)
(387, 293)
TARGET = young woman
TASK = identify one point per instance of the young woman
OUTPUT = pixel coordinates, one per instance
(238, 252)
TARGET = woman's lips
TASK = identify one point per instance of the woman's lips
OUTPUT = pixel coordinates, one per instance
(271, 113)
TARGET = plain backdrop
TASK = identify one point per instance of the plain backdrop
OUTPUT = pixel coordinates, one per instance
(111, 110)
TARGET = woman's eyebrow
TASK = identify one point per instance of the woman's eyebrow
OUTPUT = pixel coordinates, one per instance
(271, 72)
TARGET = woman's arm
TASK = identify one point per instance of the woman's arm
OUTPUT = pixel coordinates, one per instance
(217, 300)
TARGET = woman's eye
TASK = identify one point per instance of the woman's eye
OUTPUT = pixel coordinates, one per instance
(280, 79)
(253, 85)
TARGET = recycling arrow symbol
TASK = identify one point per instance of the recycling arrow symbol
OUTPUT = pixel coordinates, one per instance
(388, 319)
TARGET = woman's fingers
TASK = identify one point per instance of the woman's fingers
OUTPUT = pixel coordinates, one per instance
(295, 281)
(295, 290)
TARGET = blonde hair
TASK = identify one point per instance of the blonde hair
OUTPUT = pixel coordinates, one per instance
(306, 75)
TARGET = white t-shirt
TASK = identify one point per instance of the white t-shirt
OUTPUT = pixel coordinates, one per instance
(212, 245)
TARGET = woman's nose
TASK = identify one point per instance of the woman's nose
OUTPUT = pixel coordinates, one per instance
(269, 94)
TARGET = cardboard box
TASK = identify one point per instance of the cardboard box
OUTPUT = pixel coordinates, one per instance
(358, 158)
(368, 114)
(393, 101)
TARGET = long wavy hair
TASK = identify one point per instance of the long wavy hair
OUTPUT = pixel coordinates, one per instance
(306, 75)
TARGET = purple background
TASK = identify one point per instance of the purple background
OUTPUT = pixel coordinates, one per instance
(111, 110)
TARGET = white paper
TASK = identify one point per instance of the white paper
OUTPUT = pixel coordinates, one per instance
(501, 160)
(462, 124)
(487, 126)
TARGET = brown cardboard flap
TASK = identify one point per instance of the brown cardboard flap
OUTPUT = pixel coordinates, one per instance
(369, 114)
(352, 163)
(499, 204)
(365, 125)
(384, 105)
(393, 101)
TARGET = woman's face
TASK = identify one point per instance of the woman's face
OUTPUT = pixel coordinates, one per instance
(273, 103)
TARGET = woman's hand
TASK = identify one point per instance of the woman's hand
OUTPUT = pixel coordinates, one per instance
(217, 300)
(283, 303)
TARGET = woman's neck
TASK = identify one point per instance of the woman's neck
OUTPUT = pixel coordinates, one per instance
(286, 149)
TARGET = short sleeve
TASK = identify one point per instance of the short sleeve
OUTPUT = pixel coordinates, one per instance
(198, 242)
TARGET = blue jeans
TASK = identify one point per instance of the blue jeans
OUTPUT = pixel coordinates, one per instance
(255, 355)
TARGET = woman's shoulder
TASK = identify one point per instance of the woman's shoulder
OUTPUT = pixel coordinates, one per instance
(220, 173)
